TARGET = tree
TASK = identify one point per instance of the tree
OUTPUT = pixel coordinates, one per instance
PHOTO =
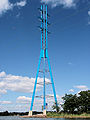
(84, 101)
(70, 103)
(56, 107)
(77, 103)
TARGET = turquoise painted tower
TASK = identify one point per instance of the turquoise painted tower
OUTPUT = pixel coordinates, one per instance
(45, 57)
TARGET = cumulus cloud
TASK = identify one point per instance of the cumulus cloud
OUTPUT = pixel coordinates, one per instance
(18, 83)
(89, 13)
(3, 91)
(65, 3)
(89, 17)
(24, 84)
(5, 102)
(81, 87)
(23, 99)
(21, 4)
(2, 74)
(38, 102)
(5, 5)
(23, 103)
(71, 90)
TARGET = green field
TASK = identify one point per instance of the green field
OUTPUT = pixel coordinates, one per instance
(63, 115)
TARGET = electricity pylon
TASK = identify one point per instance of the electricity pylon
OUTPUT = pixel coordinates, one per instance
(44, 56)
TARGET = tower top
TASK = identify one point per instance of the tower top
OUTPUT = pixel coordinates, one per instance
(43, 29)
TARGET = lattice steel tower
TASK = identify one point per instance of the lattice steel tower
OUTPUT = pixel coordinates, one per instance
(45, 57)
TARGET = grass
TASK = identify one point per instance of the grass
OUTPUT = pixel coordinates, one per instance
(63, 115)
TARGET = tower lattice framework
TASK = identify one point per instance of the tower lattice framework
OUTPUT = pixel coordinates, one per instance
(43, 56)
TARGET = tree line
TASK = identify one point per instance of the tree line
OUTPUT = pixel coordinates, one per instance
(75, 104)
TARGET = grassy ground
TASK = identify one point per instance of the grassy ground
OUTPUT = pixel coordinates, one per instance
(62, 115)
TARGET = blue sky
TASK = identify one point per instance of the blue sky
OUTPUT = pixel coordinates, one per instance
(68, 48)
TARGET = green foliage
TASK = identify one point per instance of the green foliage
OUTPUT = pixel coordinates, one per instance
(70, 103)
(77, 104)
(84, 101)
(56, 107)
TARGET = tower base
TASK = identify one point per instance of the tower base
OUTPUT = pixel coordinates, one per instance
(44, 112)
(30, 113)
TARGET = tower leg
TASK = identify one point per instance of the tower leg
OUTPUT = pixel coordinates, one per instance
(44, 101)
(44, 112)
(52, 81)
(30, 112)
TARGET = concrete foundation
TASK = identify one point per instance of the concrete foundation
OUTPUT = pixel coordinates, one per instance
(30, 113)
(44, 112)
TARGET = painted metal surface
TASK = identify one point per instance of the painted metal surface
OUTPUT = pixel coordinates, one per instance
(33, 96)
(44, 56)
(52, 81)
(41, 25)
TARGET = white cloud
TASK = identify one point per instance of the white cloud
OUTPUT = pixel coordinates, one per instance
(38, 102)
(23, 99)
(5, 5)
(71, 90)
(3, 91)
(24, 84)
(65, 3)
(18, 83)
(89, 17)
(2, 74)
(89, 13)
(88, 22)
(81, 87)
(21, 3)
(2, 84)
(5, 102)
